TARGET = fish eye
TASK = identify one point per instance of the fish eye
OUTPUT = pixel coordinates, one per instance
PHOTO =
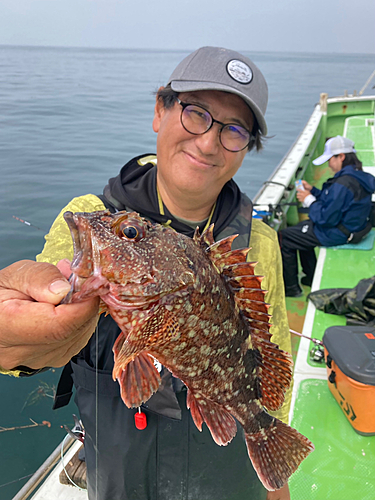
(128, 228)
(130, 232)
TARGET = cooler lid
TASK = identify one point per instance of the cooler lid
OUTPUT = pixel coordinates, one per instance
(353, 350)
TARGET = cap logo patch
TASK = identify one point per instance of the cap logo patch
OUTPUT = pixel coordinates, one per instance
(239, 71)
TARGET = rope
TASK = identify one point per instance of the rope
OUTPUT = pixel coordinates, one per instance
(274, 182)
(16, 480)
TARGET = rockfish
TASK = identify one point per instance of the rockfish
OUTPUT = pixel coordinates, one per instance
(196, 306)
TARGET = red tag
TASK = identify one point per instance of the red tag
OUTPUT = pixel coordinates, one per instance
(140, 421)
(370, 335)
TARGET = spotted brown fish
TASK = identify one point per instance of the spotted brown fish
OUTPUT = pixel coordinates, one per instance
(196, 306)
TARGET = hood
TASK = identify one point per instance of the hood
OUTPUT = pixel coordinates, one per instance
(134, 189)
(366, 180)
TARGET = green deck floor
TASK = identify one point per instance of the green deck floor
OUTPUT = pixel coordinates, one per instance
(360, 129)
(342, 269)
(342, 467)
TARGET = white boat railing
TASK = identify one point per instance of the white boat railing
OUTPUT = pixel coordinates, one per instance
(274, 188)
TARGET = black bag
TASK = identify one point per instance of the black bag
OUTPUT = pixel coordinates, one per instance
(372, 214)
(357, 304)
(357, 236)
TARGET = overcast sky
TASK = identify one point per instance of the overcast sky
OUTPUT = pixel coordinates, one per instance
(263, 25)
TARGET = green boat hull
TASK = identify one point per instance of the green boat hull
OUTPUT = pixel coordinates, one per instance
(342, 465)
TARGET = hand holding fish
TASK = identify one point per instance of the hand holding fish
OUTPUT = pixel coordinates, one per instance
(34, 330)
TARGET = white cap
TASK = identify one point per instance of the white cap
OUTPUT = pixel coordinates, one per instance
(335, 146)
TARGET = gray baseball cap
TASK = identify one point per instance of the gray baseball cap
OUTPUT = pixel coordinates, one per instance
(215, 68)
(335, 146)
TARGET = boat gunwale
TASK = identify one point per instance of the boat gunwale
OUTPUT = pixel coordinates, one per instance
(276, 191)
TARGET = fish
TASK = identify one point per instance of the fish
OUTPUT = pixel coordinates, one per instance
(197, 307)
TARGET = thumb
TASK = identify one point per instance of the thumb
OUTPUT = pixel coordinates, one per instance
(41, 281)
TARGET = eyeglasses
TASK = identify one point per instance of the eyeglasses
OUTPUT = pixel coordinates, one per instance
(197, 121)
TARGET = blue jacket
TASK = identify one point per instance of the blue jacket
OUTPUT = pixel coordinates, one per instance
(344, 199)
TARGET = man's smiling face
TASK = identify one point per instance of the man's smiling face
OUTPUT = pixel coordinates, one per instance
(198, 164)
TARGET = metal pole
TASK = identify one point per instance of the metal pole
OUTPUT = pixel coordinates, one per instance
(43, 470)
(323, 102)
(368, 81)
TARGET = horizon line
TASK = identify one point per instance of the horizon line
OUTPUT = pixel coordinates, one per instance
(159, 49)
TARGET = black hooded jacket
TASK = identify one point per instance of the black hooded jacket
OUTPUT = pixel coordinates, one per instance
(170, 459)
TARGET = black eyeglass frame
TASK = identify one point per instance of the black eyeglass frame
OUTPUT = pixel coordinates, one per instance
(223, 125)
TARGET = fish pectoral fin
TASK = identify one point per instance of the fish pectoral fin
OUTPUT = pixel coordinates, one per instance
(138, 380)
(276, 450)
(222, 425)
(274, 371)
(159, 328)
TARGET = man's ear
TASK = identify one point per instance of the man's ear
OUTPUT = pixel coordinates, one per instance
(158, 113)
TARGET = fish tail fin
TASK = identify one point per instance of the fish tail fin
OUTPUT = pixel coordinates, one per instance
(276, 452)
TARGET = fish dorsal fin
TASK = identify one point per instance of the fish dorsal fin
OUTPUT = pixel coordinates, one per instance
(232, 257)
(275, 369)
(208, 235)
(274, 366)
(221, 247)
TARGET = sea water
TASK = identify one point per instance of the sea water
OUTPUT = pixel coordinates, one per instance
(69, 119)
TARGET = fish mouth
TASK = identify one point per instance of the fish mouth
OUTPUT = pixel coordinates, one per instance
(77, 261)
(68, 216)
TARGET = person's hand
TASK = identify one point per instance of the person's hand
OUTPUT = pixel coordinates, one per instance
(301, 195)
(34, 330)
(306, 185)
(282, 494)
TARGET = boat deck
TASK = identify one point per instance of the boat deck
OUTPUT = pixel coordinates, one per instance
(342, 465)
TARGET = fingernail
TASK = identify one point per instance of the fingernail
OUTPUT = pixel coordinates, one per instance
(59, 287)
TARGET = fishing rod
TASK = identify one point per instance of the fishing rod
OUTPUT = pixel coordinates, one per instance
(275, 210)
(317, 352)
(27, 223)
(271, 206)
(316, 341)
(276, 205)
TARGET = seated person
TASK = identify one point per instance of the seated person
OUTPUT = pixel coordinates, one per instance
(339, 211)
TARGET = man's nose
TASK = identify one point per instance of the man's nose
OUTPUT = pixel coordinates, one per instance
(209, 143)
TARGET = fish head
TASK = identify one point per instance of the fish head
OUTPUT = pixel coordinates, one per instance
(126, 259)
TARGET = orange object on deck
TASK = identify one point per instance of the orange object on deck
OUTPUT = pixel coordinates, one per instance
(350, 358)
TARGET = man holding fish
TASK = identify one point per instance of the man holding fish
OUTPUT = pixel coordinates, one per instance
(208, 116)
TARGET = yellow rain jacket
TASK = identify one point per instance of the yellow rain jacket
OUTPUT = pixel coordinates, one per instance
(264, 250)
